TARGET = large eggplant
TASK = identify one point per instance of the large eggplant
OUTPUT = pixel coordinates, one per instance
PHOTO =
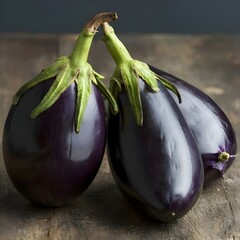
(210, 126)
(152, 154)
(55, 131)
(47, 160)
(157, 166)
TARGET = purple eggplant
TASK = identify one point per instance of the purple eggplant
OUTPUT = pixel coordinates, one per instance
(54, 135)
(152, 154)
(157, 166)
(47, 160)
(210, 126)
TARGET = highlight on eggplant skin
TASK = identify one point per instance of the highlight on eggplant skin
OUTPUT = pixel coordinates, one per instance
(210, 126)
(157, 166)
(47, 161)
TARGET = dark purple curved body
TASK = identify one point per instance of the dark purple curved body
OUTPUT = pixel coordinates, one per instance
(210, 126)
(48, 162)
(156, 166)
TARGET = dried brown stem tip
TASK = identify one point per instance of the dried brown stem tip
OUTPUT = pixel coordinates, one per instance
(100, 18)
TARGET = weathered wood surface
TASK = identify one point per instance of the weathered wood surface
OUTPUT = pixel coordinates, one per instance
(212, 63)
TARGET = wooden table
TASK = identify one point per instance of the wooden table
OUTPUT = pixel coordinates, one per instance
(211, 62)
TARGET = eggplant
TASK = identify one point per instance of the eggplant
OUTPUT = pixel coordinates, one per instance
(213, 131)
(48, 162)
(152, 153)
(156, 166)
(53, 149)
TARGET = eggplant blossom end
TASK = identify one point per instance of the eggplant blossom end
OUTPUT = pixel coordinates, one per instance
(225, 156)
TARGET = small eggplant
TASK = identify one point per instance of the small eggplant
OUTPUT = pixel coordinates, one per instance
(210, 126)
(53, 149)
(152, 154)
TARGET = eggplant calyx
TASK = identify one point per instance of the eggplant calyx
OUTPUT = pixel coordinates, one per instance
(129, 71)
(128, 74)
(46, 74)
(75, 68)
(84, 79)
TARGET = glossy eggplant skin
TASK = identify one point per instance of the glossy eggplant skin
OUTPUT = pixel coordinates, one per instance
(157, 166)
(47, 161)
(210, 126)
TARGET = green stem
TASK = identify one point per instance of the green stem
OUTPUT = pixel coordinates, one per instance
(116, 48)
(81, 49)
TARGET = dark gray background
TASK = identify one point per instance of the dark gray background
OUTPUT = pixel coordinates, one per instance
(167, 16)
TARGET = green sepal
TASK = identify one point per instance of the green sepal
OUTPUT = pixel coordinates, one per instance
(98, 76)
(60, 84)
(47, 73)
(84, 80)
(84, 89)
(169, 86)
(143, 71)
(131, 82)
(115, 86)
(107, 94)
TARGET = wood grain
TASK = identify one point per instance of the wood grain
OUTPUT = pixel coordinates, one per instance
(210, 62)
